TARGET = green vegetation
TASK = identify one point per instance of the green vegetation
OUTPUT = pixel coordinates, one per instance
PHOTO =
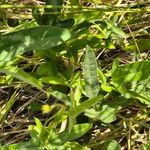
(74, 75)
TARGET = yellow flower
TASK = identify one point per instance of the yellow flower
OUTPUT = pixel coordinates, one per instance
(46, 109)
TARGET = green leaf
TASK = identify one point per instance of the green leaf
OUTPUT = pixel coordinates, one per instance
(61, 96)
(21, 75)
(106, 88)
(133, 80)
(102, 76)
(115, 29)
(78, 92)
(90, 73)
(38, 38)
(108, 109)
(54, 80)
(85, 105)
(92, 113)
(111, 145)
(107, 114)
(77, 131)
(38, 123)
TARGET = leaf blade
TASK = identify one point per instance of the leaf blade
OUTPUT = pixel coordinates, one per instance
(37, 38)
(90, 73)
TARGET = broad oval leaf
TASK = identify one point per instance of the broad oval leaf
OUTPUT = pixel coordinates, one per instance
(37, 38)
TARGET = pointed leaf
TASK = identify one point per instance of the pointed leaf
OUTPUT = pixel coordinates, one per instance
(115, 29)
(85, 105)
(90, 73)
(21, 75)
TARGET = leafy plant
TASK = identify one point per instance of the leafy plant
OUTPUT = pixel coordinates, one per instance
(133, 80)
(61, 66)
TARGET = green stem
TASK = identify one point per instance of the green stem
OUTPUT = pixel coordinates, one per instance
(103, 8)
(4, 112)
